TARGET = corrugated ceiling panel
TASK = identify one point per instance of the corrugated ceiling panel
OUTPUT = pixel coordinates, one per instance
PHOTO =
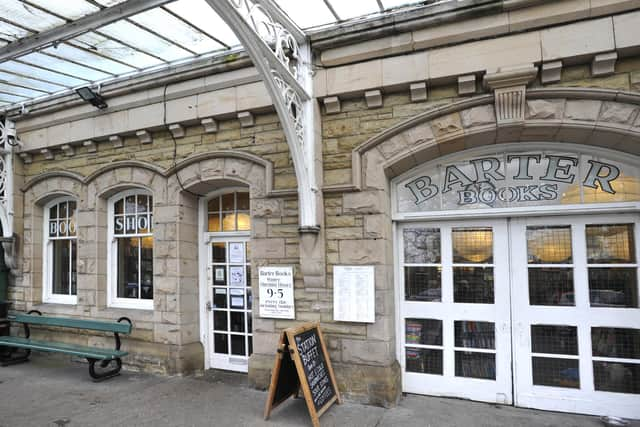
(115, 50)
(11, 32)
(5, 97)
(83, 57)
(28, 71)
(32, 83)
(20, 91)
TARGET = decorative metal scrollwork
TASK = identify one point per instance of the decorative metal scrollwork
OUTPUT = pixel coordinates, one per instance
(279, 39)
(293, 103)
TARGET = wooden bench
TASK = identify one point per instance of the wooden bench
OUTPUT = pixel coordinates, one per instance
(18, 349)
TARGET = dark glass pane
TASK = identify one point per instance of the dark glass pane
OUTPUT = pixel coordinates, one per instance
(250, 341)
(53, 212)
(613, 287)
(423, 360)
(214, 205)
(142, 203)
(130, 204)
(610, 244)
(475, 334)
(62, 210)
(248, 272)
(144, 223)
(53, 228)
(617, 377)
(421, 245)
(219, 252)
(146, 270)
(556, 372)
(220, 298)
(475, 365)
(616, 342)
(422, 284)
(118, 207)
(551, 286)
(74, 271)
(472, 245)
(72, 208)
(237, 345)
(131, 225)
(244, 221)
(553, 339)
(128, 267)
(549, 245)
(61, 257)
(118, 224)
(237, 321)
(220, 320)
(423, 331)
(220, 344)
(249, 322)
(228, 202)
(249, 299)
(243, 201)
(473, 285)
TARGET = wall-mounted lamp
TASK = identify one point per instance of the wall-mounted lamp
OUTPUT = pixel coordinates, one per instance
(91, 97)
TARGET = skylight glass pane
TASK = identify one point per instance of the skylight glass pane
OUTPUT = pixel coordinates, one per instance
(11, 32)
(70, 9)
(308, 13)
(56, 64)
(176, 30)
(354, 8)
(115, 50)
(388, 4)
(20, 91)
(109, 3)
(204, 17)
(143, 40)
(24, 81)
(11, 98)
(83, 57)
(26, 70)
(28, 16)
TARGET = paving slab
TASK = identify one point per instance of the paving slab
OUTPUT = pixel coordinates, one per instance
(49, 391)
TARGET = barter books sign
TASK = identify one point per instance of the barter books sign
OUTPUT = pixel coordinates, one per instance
(513, 179)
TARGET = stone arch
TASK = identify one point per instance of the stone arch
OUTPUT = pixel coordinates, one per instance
(599, 117)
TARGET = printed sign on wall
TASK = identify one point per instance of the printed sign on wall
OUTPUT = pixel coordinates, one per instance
(354, 293)
(276, 292)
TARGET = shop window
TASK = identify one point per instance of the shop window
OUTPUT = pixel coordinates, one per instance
(60, 252)
(131, 251)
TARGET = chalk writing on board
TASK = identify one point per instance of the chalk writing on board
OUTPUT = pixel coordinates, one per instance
(315, 368)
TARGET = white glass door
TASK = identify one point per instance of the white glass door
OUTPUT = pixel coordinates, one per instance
(454, 316)
(575, 311)
(230, 299)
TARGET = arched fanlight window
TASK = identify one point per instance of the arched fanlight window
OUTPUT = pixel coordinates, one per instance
(229, 212)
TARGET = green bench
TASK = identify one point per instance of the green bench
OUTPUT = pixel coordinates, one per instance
(18, 349)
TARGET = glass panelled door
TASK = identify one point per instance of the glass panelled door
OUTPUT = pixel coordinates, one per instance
(231, 301)
(453, 321)
(576, 317)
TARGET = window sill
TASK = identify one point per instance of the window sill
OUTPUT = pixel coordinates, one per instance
(133, 305)
(61, 300)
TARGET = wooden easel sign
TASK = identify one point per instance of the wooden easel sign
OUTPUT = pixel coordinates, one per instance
(302, 362)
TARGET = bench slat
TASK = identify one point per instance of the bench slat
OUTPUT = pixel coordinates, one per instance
(76, 350)
(95, 325)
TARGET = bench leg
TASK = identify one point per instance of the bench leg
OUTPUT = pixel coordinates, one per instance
(101, 376)
(11, 356)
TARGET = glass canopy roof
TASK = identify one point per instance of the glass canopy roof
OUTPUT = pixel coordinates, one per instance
(178, 31)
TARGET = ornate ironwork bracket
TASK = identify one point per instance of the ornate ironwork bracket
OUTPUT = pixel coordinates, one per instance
(281, 53)
(8, 140)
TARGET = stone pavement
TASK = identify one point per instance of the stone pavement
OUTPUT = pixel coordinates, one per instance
(53, 392)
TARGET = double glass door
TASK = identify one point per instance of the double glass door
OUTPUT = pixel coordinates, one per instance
(542, 313)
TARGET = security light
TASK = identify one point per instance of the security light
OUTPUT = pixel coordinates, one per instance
(91, 97)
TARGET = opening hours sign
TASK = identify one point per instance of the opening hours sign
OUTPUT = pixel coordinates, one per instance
(276, 292)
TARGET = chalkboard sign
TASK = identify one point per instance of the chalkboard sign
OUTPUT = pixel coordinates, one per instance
(303, 363)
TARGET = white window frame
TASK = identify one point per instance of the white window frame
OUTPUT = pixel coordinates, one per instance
(47, 257)
(112, 258)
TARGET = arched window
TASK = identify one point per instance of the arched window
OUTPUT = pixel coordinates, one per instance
(131, 250)
(60, 252)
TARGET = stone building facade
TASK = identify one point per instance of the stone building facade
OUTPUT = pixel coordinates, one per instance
(394, 95)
